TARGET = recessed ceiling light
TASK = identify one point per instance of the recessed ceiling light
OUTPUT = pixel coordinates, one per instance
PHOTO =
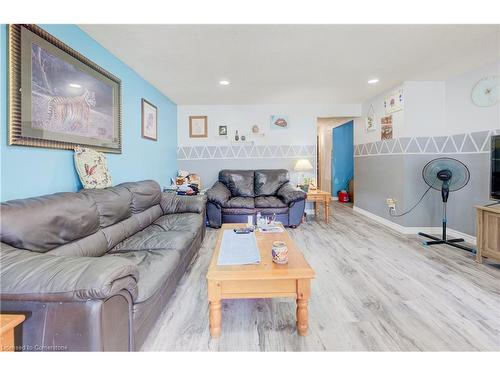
(224, 83)
(372, 81)
(75, 85)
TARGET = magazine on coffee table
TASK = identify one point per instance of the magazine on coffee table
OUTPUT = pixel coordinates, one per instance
(271, 229)
(238, 249)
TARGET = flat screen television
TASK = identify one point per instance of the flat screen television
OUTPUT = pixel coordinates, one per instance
(495, 168)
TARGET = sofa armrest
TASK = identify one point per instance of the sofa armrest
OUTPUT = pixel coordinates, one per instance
(289, 193)
(25, 275)
(218, 194)
(171, 203)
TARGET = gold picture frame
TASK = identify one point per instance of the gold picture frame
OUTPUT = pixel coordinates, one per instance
(21, 39)
(198, 126)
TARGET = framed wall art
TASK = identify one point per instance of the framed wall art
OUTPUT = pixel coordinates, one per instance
(58, 98)
(149, 120)
(223, 130)
(386, 127)
(371, 124)
(198, 126)
(394, 102)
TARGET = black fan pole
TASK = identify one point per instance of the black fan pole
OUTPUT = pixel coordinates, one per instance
(445, 192)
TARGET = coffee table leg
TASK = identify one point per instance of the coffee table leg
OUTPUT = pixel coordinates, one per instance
(302, 317)
(215, 316)
(303, 293)
(327, 210)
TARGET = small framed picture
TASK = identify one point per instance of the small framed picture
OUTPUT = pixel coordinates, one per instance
(149, 123)
(386, 127)
(223, 130)
(370, 124)
(198, 126)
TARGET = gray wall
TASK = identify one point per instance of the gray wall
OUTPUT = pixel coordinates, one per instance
(209, 169)
(399, 175)
(377, 178)
(461, 212)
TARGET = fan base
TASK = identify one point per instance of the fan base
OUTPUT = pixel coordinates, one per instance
(451, 242)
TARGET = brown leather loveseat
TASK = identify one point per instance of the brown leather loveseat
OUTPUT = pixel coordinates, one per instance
(93, 270)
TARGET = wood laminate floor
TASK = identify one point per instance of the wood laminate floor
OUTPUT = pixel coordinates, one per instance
(375, 290)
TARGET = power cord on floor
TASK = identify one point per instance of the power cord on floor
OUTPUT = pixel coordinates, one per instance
(413, 207)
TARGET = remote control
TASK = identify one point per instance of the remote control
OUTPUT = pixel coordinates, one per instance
(243, 230)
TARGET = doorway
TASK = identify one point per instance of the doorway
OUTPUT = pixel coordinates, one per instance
(335, 145)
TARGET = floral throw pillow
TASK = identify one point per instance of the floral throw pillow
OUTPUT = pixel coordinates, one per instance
(92, 169)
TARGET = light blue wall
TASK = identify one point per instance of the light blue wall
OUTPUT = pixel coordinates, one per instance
(342, 157)
(29, 171)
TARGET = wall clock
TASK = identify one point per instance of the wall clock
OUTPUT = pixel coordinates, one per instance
(485, 92)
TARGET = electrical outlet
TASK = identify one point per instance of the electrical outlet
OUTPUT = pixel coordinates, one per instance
(391, 203)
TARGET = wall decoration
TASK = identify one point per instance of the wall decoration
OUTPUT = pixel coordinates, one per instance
(394, 102)
(371, 124)
(92, 168)
(149, 122)
(198, 126)
(255, 129)
(486, 92)
(66, 99)
(386, 127)
(247, 150)
(279, 122)
(223, 130)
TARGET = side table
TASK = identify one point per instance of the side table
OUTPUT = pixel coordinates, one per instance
(320, 197)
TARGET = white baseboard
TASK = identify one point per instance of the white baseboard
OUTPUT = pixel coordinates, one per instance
(414, 230)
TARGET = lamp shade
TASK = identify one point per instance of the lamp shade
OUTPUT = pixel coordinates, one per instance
(303, 165)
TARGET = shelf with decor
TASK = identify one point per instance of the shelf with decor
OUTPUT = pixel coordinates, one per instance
(242, 143)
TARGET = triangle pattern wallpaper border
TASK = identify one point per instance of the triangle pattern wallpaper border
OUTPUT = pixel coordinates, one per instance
(463, 143)
(212, 151)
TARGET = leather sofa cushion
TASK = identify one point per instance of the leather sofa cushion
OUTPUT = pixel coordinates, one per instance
(154, 267)
(239, 182)
(44, 223)
(44, 277)
(238, 211)
(268, 181)
(145, 194)
(94, 245)
(239, 202)
(118, 232)
(188, 222)
(113, 204)
(171, 203)
(267, 211)
(268, 201)
(155, 238)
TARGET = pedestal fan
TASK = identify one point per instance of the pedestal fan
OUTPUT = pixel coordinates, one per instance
(446, 175)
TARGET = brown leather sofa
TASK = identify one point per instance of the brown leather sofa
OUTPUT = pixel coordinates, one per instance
(93, 270)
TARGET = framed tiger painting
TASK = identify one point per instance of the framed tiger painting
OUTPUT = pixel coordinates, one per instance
(58, 97)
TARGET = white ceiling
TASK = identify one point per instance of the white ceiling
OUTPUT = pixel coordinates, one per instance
(292, 64)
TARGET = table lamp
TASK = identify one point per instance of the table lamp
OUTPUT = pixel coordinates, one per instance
(302, 165)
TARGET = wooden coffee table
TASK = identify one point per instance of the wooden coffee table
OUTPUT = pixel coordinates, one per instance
(264, 280)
